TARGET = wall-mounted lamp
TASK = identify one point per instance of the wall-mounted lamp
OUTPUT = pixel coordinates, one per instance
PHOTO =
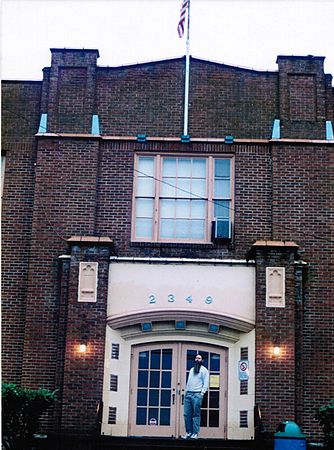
(276, 350)
(82, 348)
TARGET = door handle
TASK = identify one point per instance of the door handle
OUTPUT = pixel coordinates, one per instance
(173, 399)
(182, 399)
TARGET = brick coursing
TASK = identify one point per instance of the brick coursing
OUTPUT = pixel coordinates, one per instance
(57, 186)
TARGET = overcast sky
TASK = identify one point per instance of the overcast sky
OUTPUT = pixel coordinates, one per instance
(249, 33)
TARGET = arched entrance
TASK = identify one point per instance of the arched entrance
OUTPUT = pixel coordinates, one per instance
(157, 385)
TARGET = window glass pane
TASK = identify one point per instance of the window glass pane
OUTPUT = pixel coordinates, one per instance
(222, 168)
(169, 167)
(154, 397)
(221, 209)
(167, 208)
(144, 228)
(165, 416)
(182, 228)
(198, 210)
(155, 359)
(184, 167)
(197, 229)
(143, 360)
(198, 188)
(182, 209)
(154, 379)
(167, 359)
(142, 378)
(199, 168)
(142, 397)
(167, 228)
(168, 187)
(166, 379)
(144, 207)
(184, 188)
(222, 188)
(145, 187)
(145, 166)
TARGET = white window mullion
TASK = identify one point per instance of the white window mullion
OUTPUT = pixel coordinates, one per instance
(157, 190)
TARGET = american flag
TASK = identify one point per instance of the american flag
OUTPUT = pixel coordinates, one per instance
(180, 25)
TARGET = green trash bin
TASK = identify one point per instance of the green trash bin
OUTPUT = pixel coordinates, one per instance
(289, 437)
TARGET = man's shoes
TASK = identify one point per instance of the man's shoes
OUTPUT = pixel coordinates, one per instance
(187, 436)
(194, 436)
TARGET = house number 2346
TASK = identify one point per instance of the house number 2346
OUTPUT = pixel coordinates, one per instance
(171, 298)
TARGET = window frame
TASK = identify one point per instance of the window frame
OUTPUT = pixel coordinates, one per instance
(210, 178)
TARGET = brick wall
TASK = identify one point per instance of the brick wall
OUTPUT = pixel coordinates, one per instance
(20, 105)
(83, 186)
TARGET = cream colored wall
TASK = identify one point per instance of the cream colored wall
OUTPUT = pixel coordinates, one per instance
(121, 367)
(231, 289)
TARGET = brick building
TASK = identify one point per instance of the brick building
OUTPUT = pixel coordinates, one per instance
(128, 247)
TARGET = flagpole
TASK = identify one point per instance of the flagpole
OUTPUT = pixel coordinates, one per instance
(186, 81)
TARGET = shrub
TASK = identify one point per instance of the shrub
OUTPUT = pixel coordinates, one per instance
(325, 418)
(21, 411)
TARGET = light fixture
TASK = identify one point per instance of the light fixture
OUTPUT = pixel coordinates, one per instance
(82, 348)
(276, 350)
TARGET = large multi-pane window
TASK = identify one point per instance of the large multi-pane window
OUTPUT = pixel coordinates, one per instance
(177, 198)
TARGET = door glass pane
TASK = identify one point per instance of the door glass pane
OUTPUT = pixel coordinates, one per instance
(142, 397)
(142, 378)
(214, 362)
(154, 397)
(155, 359)
(153, 413)
(204, 418)
(154, 378)
(165, 416)
(166, 379)
(143, 360)
(214, 399)
(165, 397)
(167, 358)
(141, 416)
(214, 418)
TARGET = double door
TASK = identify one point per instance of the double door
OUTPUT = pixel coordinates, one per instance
(158, 378)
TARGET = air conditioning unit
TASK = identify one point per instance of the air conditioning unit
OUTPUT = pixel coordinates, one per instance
(222, 229)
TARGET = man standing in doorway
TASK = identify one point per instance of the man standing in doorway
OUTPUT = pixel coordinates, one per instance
(197, 385)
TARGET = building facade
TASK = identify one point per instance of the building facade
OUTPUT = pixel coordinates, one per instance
(128, 247)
